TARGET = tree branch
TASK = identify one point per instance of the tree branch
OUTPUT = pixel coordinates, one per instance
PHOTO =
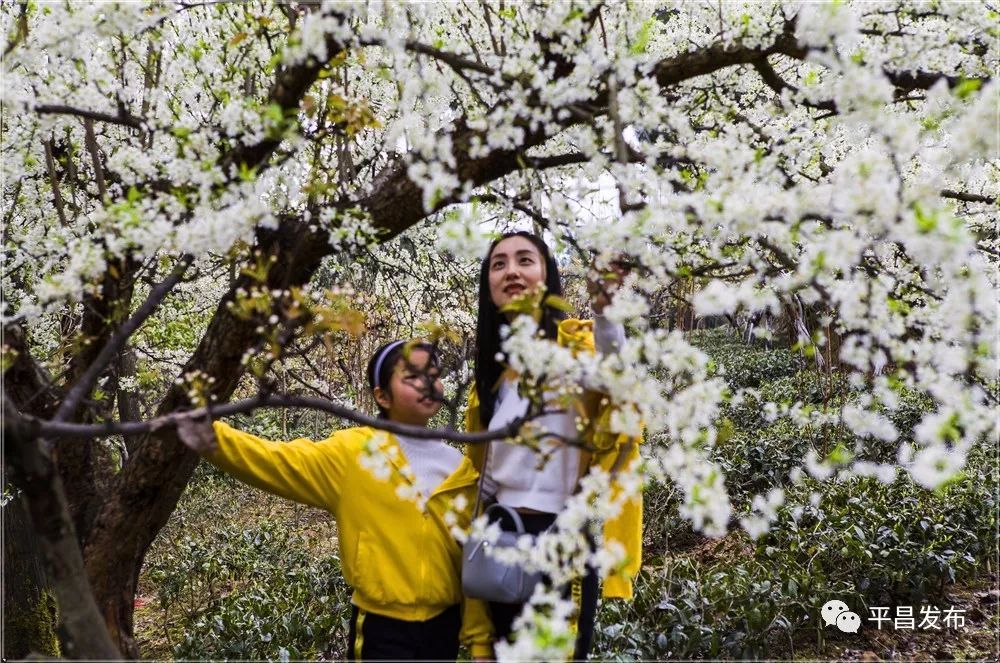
(57, 199)
(61, 429)
(967, 197)
(289, 86)
(708, 60)
(554, 161)
(22, 29)
(122, 118)
(90, 139)
(778, 84)
(27, 382)
(924, 80)
(453, 60)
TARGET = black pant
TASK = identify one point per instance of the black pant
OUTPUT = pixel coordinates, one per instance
(584, 592)
(379, 638)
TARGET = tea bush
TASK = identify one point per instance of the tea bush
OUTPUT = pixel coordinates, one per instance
(746, 365)
(878, 544)
(240, 574)
(252, 594)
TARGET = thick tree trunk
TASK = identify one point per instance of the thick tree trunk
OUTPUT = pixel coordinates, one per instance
(29, 616)
(81, 629)
(29, 613)
(87, 466)
(145, 492)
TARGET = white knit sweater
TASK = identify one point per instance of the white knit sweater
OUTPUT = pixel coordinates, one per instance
(515, 474)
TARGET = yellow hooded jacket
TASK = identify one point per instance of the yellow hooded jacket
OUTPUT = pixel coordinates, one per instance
(613, 451)
(401, 561)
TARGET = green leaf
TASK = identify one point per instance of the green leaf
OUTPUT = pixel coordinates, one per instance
(949, 430)
(968, 86)
(931, 123)
(273, 62)
(840, 455)
(642, 39)
(7, 358)
(275, 113)
(726, 430)
(558, 303)
(926, 222)
(898, 306)
(247, 174)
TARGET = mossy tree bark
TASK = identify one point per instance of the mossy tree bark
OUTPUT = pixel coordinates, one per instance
(29, 615)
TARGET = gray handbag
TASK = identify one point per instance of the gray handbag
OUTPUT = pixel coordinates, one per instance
(483, 576)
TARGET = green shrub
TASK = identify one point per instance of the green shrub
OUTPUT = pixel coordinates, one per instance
(911, 409)
(807, 387)
(746, 365)
(755, 461)
(895, 542)
(872, 543)
(664, 530)
(255, 593)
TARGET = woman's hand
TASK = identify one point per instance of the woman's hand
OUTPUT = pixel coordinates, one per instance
(603, 285)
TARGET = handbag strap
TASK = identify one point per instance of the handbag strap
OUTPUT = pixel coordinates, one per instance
(479, 484)
(512, 513)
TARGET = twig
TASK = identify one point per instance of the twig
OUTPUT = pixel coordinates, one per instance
(95, 155)
(776, 83)
(86, 382)
(924, 80)
(22, 29)
(50, 165)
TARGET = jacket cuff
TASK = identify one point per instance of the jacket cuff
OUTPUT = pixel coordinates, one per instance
(481, 650)
(617, 587)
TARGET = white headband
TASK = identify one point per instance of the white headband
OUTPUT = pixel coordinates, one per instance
(381, 358)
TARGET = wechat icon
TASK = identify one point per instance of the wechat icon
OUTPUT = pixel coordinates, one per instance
(836, 613)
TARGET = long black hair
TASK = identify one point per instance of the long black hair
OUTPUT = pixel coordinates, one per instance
(379, 374)
(487, 368)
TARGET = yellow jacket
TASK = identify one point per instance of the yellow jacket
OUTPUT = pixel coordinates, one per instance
(612, 451)
(402, 562)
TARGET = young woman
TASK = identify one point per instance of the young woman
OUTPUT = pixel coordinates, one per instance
(397, 553)
(515, 264)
